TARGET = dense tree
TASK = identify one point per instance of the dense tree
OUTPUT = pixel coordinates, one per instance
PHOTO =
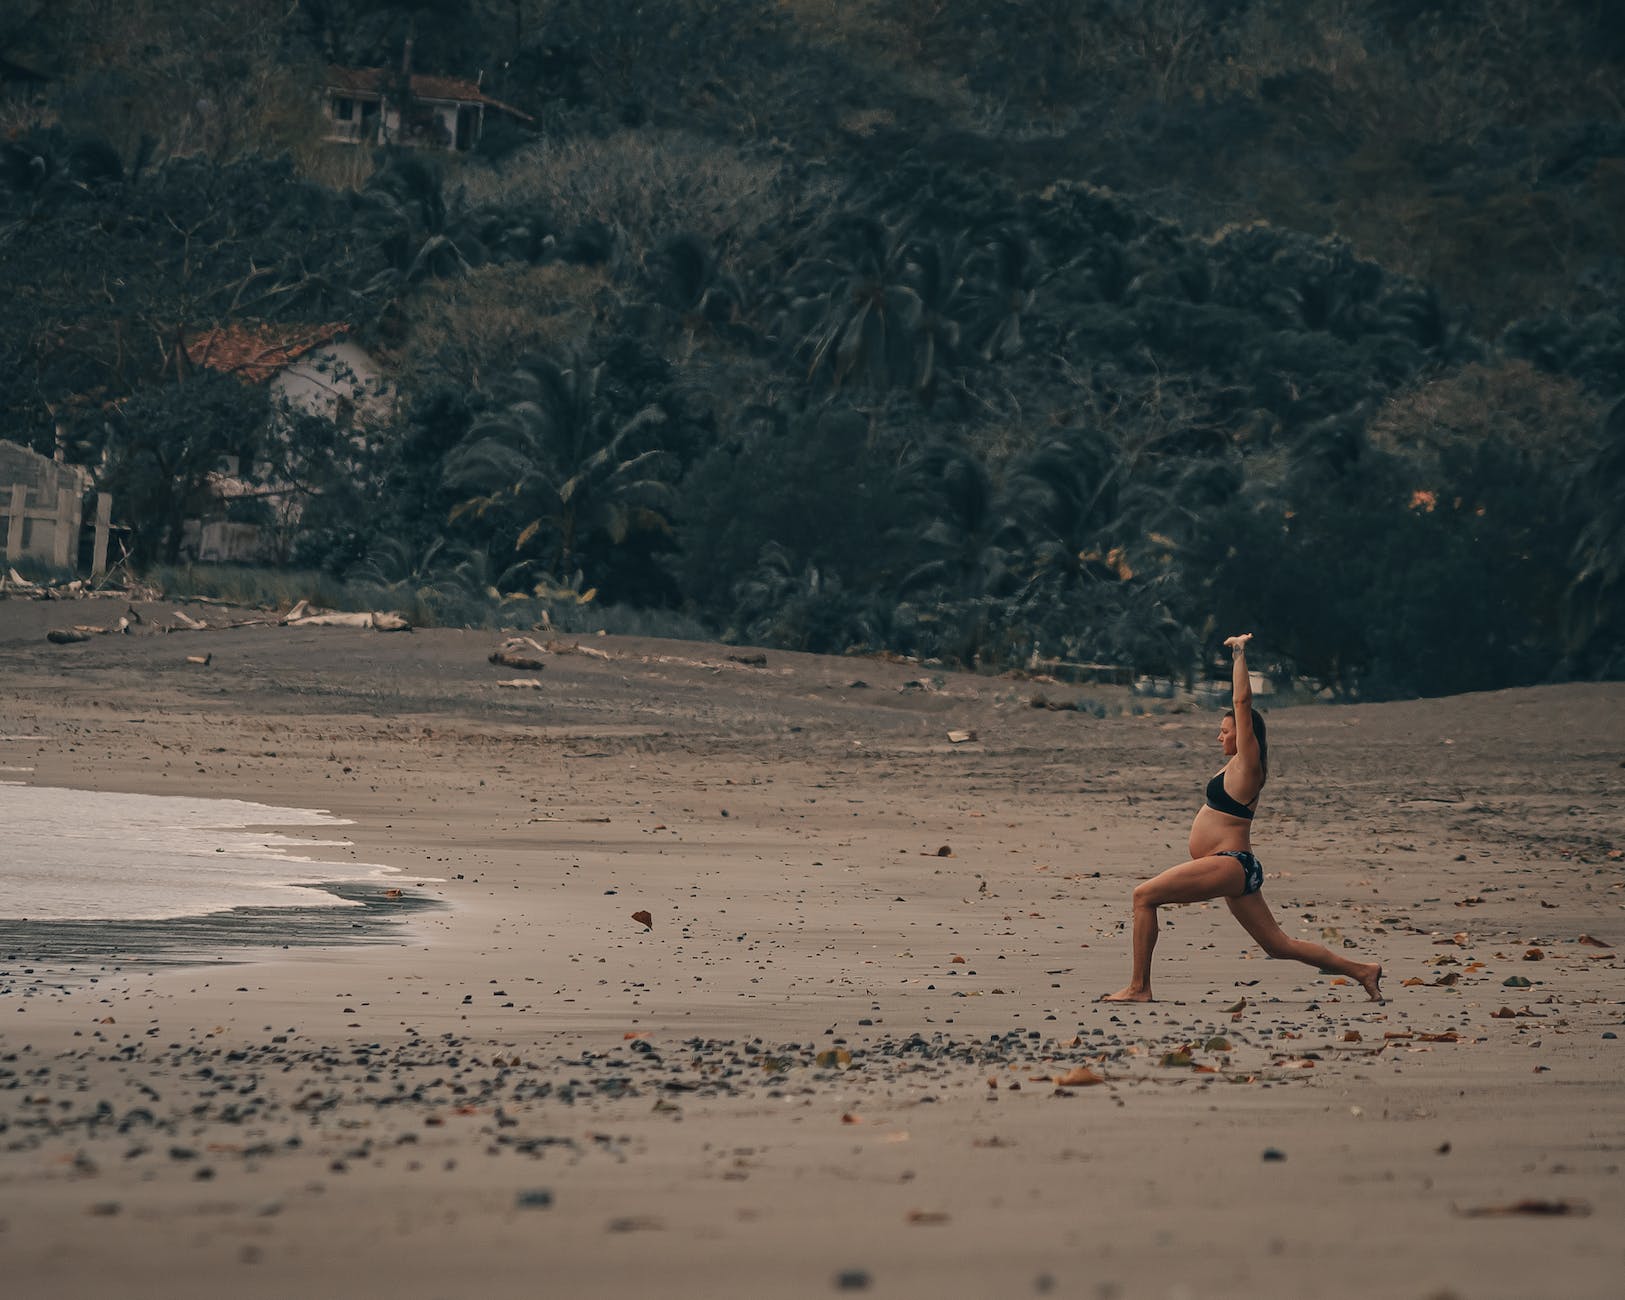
(964, 329)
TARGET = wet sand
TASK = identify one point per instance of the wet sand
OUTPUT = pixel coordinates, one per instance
(828, 1065)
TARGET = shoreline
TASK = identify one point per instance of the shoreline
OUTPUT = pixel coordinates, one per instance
(606, 1102)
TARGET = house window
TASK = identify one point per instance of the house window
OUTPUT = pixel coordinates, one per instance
(343, 108)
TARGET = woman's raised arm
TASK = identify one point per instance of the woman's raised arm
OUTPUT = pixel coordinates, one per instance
(1241, 697)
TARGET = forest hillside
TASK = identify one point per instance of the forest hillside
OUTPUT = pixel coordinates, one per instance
(989, 331)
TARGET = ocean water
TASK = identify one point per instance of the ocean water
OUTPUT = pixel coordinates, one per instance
(76, 855)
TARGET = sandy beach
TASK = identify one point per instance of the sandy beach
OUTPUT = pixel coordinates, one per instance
(827, 1063)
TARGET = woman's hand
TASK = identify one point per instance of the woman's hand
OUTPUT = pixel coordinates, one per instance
(1238, 643)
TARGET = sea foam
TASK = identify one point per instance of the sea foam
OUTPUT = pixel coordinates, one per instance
(82, 855)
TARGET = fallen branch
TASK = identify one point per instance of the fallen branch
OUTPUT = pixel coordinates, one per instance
(510, 657)
(378, 620)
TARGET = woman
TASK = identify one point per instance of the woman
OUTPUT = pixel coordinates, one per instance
(1222, 864)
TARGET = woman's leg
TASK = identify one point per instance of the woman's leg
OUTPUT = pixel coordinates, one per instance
(1255, 916)
(1189, 882)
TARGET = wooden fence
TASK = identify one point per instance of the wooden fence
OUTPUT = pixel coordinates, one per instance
(65, 517)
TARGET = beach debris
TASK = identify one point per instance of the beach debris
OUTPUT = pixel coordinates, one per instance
(852, 1279)
(534, 1198)
(750, 661)
(638, 1222)
(833, 1058)
(522, 683)
(644, 919)
(521, 652)
(204, 660)
(377, 620)
(188, 622)
(1080, 1076)
(1592, 943)
(66, 636)
(1516, 982)
(1533, 1207)
(961, 737)
(943, 851)
(515, 659)
(924, 1217)
(22, 584)
(1274, 1153)
(1533, 954)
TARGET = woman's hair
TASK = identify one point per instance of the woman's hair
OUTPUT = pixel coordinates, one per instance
(1261, 735)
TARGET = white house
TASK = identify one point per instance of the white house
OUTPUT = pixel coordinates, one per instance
(365, 106)
(308, 369)
(314, 369)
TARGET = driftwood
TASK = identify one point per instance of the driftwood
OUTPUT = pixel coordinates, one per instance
(519, 652)
(523, 683)
(13, 583)
(189, 623)
(66, 636)
(378, 620)
(200, 659)
(516, 659)
(518, 643)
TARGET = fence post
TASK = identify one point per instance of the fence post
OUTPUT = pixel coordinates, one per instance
(104, 519)
(14, 534)
(64, 551)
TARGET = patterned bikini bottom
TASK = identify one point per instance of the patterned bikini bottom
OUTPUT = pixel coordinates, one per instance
(1252, 869)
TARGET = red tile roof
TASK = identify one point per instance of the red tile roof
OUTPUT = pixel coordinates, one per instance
(374, 81)
(256, 352)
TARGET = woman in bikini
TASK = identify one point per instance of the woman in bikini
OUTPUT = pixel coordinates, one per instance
(1222, 864)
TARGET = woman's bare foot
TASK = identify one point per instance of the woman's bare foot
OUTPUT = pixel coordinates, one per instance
(1132, 994)
(1371, 982)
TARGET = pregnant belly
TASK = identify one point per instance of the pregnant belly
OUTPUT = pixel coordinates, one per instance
(1215, 832)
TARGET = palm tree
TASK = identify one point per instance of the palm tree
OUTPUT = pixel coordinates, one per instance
(569, 473)
(965, 546)
(853, 304)
(1004, 276)
(1594, 597)
(690, 291)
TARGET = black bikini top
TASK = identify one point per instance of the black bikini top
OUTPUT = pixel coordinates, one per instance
(1218, 798)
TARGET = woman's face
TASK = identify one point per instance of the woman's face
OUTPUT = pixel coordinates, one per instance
(1227, 735)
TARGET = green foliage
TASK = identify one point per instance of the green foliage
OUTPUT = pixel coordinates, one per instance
(561, 471)
(970, 330)
(163, 443)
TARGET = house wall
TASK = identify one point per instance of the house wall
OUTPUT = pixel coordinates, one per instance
(388, 122)
(228, 543)
(338, 382)
(41, 502)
